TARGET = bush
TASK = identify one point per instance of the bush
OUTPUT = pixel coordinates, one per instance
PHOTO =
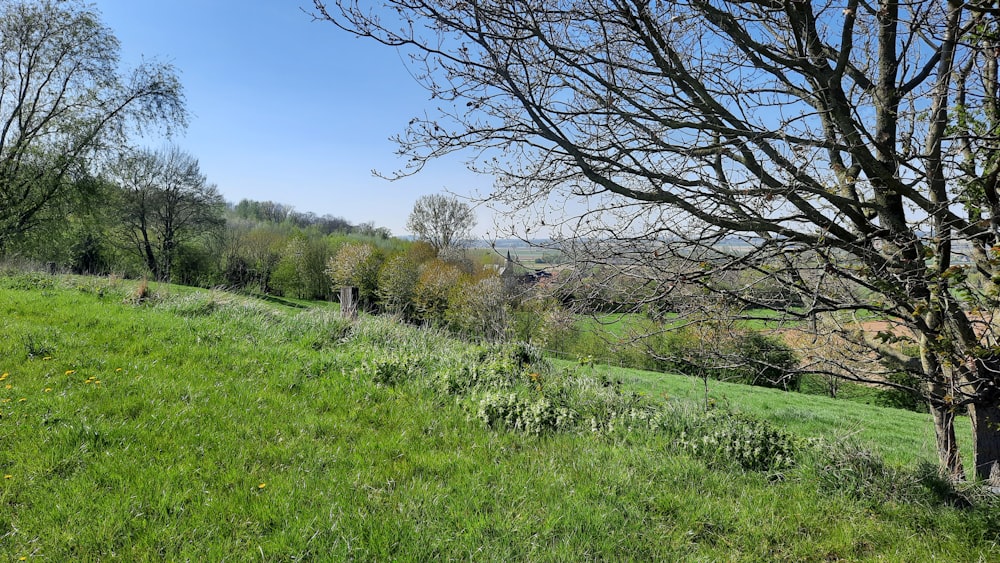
(523, 414)
(723, 438)
(358, 265)
(480, 309)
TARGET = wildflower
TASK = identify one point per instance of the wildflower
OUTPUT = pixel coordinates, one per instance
(4, 376)
(70, 371)
(117, 370)
(262, 485)
(46, 358)
(48, 389)
(8, 476)
(8, 386)
(22, 399)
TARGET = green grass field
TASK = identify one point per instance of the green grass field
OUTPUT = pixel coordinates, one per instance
(200, 425)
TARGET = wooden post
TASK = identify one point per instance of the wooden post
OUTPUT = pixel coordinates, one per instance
(349, 302)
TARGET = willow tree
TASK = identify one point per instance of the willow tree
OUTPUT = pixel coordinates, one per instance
(848, 150)
(64, 102)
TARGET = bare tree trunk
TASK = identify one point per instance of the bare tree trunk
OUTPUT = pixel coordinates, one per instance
(947, 447)
(942, 409)
(985, 437)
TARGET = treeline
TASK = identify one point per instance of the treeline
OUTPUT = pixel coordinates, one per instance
(191, 236)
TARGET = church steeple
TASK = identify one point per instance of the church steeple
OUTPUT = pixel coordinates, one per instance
(508, 267)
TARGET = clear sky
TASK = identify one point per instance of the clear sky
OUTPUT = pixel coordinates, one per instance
(288, 109)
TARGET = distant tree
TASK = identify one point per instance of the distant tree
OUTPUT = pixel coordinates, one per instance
(440, 220)
(301, 271)
(64, 102)
(250, 255)
(369, 229)
(267, 211)
(165, 200)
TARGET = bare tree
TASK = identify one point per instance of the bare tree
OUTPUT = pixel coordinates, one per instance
(165, 201)
(442, 221)
(64, 101)
(846, 152)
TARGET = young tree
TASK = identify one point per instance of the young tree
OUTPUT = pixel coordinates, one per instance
(442, 221)
(63, 102)
(165, 200)
(357, 264)
(846, 152)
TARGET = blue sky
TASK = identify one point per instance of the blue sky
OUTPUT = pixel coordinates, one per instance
(288, 109)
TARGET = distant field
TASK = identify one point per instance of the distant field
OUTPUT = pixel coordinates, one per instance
(180, 424)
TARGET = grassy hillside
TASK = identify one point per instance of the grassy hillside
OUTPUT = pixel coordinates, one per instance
(204, 426)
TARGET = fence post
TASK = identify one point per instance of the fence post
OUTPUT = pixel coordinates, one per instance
(349, 302)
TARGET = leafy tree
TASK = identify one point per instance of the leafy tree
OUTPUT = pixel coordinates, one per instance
(63, 103)
(165, 201)
(302, 269)
(357, 265)
(442, 221)
(250, 255)
(844, 152)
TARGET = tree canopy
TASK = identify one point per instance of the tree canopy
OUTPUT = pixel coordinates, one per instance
(165, 200)
(847, 150)
(65, 102)
(442, 221)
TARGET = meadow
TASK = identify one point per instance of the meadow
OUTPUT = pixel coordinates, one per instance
(167, 423)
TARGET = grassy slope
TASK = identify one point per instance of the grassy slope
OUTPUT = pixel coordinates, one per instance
(226, 430)
(900, 436)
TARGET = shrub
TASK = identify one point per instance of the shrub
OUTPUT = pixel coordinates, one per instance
(397, 286)
(358, 265)
(436, 281)
(523, 414)
(723, 438)
(480, 309)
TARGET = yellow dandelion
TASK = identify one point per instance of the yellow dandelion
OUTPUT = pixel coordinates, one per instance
(117, 370)
(8, 476)
(48, 389)
(97, 382)
(4, 376)
(8, 386)
(22, 399)
(70, 371)
(5, 401)
(262, 485)
(88, 381)
(46, 358)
